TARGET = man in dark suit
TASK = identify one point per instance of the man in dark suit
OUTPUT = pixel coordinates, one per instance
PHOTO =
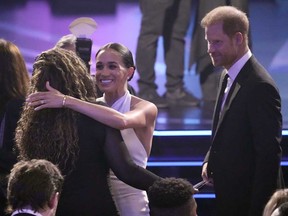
(34, 188)
(243, 161)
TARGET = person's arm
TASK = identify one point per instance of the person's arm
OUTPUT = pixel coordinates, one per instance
(139, 117)
(204, 174)
(132, 119)
(122, 165)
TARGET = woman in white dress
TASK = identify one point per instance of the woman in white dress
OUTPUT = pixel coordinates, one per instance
(135, 117)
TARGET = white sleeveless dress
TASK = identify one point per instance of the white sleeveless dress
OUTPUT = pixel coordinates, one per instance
(129, 200)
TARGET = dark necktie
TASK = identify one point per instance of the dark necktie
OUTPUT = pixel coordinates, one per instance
(226, 91)
(219, 101)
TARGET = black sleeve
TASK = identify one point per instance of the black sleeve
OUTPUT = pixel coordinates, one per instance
(122, 165)
(8, 157)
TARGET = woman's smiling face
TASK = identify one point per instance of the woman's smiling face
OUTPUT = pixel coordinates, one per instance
(111, 73)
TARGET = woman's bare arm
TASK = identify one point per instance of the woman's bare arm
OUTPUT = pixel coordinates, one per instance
(143, 114)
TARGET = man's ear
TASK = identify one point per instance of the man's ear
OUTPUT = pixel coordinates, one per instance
(239, 38)
(54, 200)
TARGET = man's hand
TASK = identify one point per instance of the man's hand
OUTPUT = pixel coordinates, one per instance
(204, 174)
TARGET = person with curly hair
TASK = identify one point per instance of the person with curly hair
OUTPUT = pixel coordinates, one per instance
(172, 197)
(84, 149)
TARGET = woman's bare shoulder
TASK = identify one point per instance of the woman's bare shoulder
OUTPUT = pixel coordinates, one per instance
(136, 101)
(141, 104)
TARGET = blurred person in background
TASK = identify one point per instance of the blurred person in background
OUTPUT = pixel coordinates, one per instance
(14, 84)
(169, 19)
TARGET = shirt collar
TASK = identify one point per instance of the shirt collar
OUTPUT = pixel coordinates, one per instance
(235, 69)
(29, 211)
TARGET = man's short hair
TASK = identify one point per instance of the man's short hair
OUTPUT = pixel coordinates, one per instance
(233, 19)
(33, 183)
(171, 197)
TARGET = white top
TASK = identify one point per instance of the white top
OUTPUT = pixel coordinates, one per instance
(129, 201)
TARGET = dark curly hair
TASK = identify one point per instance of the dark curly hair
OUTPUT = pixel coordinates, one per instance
(171, 197)
(52, 133)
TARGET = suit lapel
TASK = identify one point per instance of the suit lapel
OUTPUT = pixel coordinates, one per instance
(230, 97)
(220, 115)
(236, 86)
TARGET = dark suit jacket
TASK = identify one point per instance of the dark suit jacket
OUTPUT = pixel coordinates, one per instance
(244, 158)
